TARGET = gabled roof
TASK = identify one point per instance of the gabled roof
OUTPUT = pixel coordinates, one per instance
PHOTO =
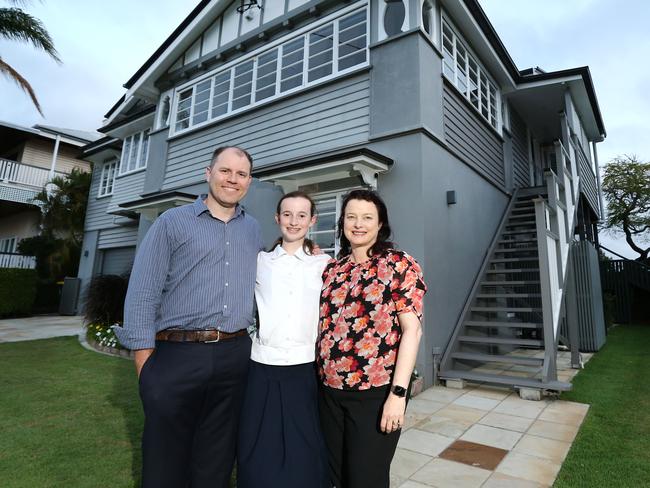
(69, 136)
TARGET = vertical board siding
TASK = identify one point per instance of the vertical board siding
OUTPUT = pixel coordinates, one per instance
(118, 237)
(519, 150)
(333, 116)
(466, 134)
(118, 261)
(588, 185)
(589, 297)
(619, 277)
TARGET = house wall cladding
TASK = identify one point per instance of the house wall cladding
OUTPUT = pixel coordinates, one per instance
(118, 237)
(39, 153)
(127, 188)
(332, 116)
(519, 150)
(96, 216)
(470, 138)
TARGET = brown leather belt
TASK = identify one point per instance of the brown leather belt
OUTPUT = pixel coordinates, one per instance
(207, 336)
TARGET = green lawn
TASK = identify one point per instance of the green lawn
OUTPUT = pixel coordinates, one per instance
(612, 448)
(68, 417)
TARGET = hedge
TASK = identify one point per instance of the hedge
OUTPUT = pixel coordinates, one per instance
(17, 291)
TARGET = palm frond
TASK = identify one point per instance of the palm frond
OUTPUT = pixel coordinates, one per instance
(17, 25)
(12, 74)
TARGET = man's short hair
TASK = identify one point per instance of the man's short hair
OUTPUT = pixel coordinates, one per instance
(238, 150)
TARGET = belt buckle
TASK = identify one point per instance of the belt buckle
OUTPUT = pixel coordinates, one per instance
(216, 340)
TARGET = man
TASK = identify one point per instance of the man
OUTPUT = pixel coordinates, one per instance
(189, 302)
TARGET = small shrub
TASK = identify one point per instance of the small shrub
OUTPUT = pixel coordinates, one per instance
(104, 301)
(17, 291)
(103, 335)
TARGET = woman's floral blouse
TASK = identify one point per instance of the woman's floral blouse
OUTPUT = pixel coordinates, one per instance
(359, 330)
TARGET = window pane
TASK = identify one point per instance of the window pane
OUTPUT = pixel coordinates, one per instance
(325, 240)
(394, 16)
(133, 155)
(352, 40)
(473, 82)
(183, 110)
(125, 154)
(201, 101)
(267, 67)
(242, 85)
(321, 45)
(326, 221)
(461, 67)
(144, 149)
(220, 94)
(293, 54)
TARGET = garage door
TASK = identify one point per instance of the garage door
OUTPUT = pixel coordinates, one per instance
(118, 261)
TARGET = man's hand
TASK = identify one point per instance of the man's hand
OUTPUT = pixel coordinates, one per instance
(392, 418)
(141, 356)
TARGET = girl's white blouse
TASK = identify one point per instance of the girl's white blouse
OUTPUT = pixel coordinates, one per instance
(287, 292)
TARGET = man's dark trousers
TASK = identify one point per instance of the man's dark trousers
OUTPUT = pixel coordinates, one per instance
(192, 395)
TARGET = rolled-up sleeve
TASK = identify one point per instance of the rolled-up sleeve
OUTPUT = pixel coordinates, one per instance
(146, 285)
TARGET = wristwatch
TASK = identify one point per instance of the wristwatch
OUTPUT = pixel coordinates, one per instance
(399, 391)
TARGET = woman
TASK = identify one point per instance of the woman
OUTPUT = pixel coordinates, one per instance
(371, 307)
(280, 443)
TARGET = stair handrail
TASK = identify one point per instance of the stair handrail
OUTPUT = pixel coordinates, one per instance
(446, 357)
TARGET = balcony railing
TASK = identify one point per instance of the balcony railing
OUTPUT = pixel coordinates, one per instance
(24, 174)
(13, 260)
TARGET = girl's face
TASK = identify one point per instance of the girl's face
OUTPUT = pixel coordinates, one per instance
(361, 223)
(295, 218)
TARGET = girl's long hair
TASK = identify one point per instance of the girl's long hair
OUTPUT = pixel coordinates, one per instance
(382, 243)
(308, 244)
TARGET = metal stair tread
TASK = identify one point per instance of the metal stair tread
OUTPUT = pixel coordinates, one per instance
(508, 295)
(515, 232)
(510, 283)
(517, 270)
(489, 323)
(506, 309)
(501, 340)
(515, 241)
(516, 249)
(515, 381)
(497, 358)
(514, 260)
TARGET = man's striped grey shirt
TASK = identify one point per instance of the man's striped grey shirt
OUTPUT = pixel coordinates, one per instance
(192, 271)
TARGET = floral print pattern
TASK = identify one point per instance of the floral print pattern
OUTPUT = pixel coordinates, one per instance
(359, 330)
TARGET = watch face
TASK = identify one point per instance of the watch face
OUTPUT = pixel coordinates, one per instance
(400, 391)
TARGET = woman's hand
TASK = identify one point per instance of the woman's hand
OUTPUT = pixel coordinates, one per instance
(392, 418)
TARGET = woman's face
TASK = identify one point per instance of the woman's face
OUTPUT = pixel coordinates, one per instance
(295, 218)
(361, 223)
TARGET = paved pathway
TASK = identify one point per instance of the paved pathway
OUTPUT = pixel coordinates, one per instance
(485, 437)
(39, 327)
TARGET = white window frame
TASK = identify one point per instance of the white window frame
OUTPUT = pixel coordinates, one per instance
(135, 150)
(485, 104)
(334, 18)
(338, 196)
(107, 178)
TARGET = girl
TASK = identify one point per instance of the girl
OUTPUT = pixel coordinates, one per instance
(280, 443)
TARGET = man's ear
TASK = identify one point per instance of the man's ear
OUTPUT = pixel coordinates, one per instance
(207, 173)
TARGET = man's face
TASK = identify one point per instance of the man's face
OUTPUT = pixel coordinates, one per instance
(229, 178)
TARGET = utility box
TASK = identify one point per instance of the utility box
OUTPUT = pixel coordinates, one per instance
(69, 296)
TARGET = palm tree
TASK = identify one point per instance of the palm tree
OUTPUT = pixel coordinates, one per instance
(18, 25)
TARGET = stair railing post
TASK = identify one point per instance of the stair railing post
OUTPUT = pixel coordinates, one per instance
(549, 369)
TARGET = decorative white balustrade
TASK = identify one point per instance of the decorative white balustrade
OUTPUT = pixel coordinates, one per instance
(555, 221)
(23, 174)
(12, 260)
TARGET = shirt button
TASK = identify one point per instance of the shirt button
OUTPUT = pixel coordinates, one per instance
(226, 284)
(225, 306)
(227, 263)
(227, 243)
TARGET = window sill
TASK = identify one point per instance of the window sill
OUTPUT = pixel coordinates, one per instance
(129, 173)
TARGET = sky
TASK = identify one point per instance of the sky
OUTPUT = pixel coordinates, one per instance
(103, 43)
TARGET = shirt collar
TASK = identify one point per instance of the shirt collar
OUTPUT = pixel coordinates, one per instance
(279, 251)
(200, 207)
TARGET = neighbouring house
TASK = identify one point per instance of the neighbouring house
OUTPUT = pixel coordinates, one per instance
(29, 158)
(490, 172)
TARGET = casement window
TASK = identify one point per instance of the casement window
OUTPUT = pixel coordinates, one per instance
(461, 67)
(316, 55)
(107, 178)
(323, 233)
(135, 150)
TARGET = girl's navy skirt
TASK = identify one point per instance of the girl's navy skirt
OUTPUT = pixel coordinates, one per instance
(280, 440)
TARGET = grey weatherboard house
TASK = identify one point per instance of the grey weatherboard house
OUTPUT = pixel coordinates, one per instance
(490, 173)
